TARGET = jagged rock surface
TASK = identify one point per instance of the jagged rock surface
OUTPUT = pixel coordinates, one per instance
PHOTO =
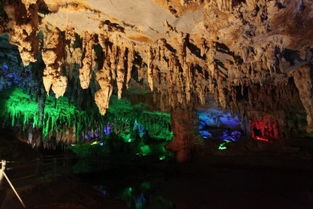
(182, 50)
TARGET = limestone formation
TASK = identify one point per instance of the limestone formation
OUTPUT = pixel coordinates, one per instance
(23, 26)
(87, 63)
(183, 50)
(52, 55)
(103, 95)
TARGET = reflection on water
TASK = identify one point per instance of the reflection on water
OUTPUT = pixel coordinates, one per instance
(139, 196)
(50, 182)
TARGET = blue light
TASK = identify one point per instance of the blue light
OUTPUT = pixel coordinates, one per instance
(107, 129)
(231, 136)
(205, 134)
(218, 124)
(140, 201)
(16, 76)
(229, 121)
(140, 128)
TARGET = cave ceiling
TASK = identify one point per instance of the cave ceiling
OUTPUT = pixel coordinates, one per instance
(183, 50)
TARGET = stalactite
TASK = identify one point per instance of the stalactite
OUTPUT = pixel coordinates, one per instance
(103, 95)
(185, 66)
(27, 3)
(130, 63)
(52, 54)
(113, 60)
(221, 93)
(88, 61)
(151, 57)
(234, 44)
(73, 54)
(121, 71)
(23, 26)
(224, 5)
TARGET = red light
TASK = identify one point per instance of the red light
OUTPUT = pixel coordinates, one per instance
(262, 139)
(264, 129)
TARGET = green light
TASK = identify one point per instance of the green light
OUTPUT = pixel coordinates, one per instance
(162, 157)
(145, 150)
(145, 186)
(95, 143)
(223, 146)
(18, 108)
(127, 193)
(58, 115)
(126, 137)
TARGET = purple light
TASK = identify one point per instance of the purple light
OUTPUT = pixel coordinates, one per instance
(107, 129)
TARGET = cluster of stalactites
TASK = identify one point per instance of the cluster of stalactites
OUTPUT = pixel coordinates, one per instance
(224, 5)
(52, 57)
(117, 66)
(175, 73)
(23, 25)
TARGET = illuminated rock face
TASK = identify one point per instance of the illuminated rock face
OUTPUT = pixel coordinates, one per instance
(183, 49)
(184, 137)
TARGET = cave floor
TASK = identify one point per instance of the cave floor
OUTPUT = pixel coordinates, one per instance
(219, 188)
(261, 180)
